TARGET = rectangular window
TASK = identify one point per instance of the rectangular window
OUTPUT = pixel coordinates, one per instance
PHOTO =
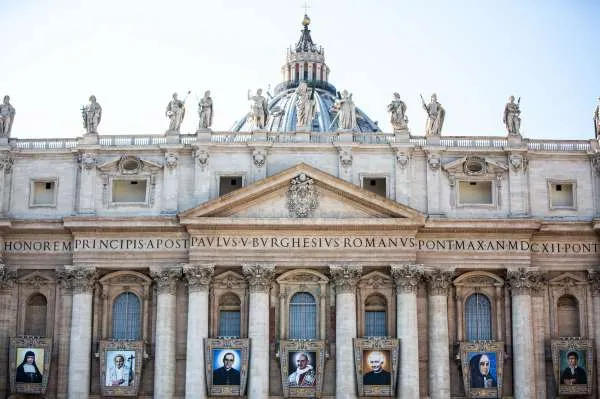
(562, 195)
(229, 323)
(228, 184)
(43, 193)
(375, 185)
(129, 191)
(475, 193)
(375, 324)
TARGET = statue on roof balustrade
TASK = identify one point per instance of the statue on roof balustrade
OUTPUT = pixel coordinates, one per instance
(435, 116)
(175, 112)
(511, 117)
(7, 116)
(397, 110)
(258, 110)
(305, 105)
(346, 111)
(92, 114)
(205, 111)
(597, 119)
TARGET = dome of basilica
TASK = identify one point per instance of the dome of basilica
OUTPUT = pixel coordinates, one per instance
(305, 62)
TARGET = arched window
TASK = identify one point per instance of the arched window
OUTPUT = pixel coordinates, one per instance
(303, 316)
(306, 71)
(35, 315)
(126, 317)
(229, 316)
(375, 316)
(568, 316)
(478, 318)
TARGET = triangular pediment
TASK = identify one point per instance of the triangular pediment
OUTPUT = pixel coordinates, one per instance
(304, 195)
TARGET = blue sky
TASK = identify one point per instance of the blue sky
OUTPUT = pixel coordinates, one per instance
(133, 55)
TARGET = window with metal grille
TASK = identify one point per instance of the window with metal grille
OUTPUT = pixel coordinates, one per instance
(126, 320)
(303, 316)
(229, 316)
(478, 317)
(35, 315)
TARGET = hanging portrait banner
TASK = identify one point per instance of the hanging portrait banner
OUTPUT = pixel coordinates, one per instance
(302, 365)
(482, 368)
(121, 367)
(226, 365)
(29, 364)
(573, 364)
(376, 365)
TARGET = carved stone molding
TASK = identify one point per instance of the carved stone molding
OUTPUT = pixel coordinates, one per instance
(198, 276)
(8, 277)
(82, 279)
(87, 160)
(202, 157)
(302, 196)
(345, 278)
(35, 281)
(524, 282)
(595, 159)
(346, 158)
(171, 160)
(259, 157)
(518, 162)
(594, 281)
(259, 277)
(407, 277)
(402, 157)
(438, 281)
(166, 279)
(6, 164)
(63, 279)
(434, 161)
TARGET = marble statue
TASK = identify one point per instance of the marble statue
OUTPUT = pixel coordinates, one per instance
(435, 116)
(205, 111)
(511, 118)
(305, 105)
(258, 110)
(346, 111)
(7, 116)
(92, 114)
(597, 119)
(397, 109)
(175, 112)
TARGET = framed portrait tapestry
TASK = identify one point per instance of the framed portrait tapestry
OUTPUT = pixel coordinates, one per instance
(482, 368)
(120, 367)
(302, 365)
(226, 365)
(376, 365)
(573, 363)
(29, 364)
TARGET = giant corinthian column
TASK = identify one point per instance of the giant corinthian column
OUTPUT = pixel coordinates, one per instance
(438, 281)
(522, 282)
(594, 280)
(407, 279)
(198, 281)
(345, 279)
(259, 280)
(164, 351)
(82, 280)
(8, 321)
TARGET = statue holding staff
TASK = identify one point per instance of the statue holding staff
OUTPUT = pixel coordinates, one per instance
(511, 117)
(92, 114)
(435, 116)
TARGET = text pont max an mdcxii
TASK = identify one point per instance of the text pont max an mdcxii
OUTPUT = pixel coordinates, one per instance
(300, 242)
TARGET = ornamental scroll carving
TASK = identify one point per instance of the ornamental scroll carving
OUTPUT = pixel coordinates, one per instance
(407, 277)
(202, 157)
(171, 160)
(259, 277)
(345, 278)
(8, 277)
(439, 281)
(166, 279)
(302, 196)
(594, 281)
(87, 160)
(198, 276)
(259, 157)
(524, 282)
(82, 279)
(6, 163)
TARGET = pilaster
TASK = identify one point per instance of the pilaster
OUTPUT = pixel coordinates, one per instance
(63, 335)
(171, 182)
(345, 279)
(259, 279)
(87, 182)
(8, 322)
(594, 281)
(438, 282)
(434, 162)
(202, 174)
(407, 279)
(6, 163)
(164, 361)
(403, 172)
(198, 279)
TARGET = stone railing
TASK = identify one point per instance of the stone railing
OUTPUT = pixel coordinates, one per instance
(305, 137)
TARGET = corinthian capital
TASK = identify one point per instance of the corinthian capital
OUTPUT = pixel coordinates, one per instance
(594, 281)
(259, 277)
(82, 278)
(198, 276)
(345, 277)
(523, 281)
(166, 279)
(8, 277)
(438, 280)
(407, 277)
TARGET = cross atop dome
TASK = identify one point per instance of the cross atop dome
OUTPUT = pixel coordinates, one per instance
(305, 44)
